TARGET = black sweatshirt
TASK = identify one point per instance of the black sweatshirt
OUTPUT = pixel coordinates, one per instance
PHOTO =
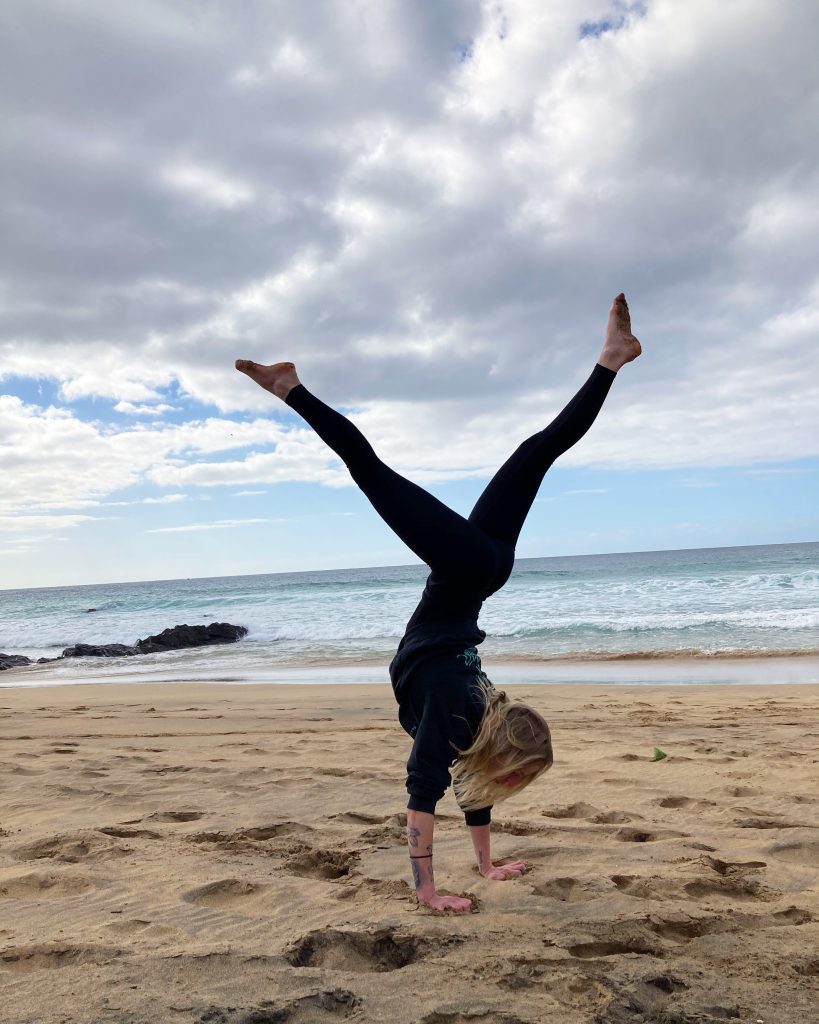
(439, 704)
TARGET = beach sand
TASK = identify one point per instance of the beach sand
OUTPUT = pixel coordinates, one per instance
(228, 854)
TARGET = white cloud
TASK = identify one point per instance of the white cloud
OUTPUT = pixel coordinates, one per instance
(207, 185)
(143, 410)
(37, 524)
(222, 524)
(166, 499)
(429, 208)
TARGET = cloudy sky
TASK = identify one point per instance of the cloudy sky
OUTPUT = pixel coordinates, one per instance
(428, 207)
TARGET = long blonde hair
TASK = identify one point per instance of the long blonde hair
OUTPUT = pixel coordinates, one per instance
(511, 731)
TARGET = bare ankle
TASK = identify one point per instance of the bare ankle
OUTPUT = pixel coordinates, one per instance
(279, 378)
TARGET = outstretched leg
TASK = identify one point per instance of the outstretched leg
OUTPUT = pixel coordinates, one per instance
(440, 537)
(502, 508)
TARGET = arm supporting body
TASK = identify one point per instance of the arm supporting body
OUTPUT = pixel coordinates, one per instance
(499, 872)
(480, 841)
(420, 827)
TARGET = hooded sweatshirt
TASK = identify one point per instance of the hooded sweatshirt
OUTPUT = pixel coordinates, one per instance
(440, 705)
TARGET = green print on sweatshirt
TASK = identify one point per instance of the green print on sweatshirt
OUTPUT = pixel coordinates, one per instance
(471, 658)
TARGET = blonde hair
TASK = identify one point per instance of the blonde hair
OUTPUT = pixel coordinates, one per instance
(511, 731)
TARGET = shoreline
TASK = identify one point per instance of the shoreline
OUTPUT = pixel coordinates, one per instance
(213, 669)
(352, 691)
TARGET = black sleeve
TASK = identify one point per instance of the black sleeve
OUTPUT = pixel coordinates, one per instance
(432, 753)
(479, 817)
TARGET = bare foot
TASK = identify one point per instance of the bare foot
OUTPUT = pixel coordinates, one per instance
(620, 346)
(279, 379)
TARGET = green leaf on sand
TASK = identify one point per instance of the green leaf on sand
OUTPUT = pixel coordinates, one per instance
(658, 754)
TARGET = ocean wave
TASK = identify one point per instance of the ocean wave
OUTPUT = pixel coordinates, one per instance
(706, 653)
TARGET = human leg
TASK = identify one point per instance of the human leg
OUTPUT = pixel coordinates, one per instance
(502, 508)
(437, 535)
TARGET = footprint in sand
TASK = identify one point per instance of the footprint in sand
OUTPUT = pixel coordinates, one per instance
(328, 1005)
(770, 823)
(613, 818)
(578, 810)
(685, 929)
(733, 869)
(44, 886)
(636, 942)
(520, 828)
(357, 886)
(51, 955)
(226, 893)
(176, 816)
(569, 890)
(798, 852)
(730, 888)
(18, 769)
(385, 949)
(655, 887)
(72, 848)
(647, 1000)
(636, 835)
(648, 936)
(564, 980)
(327, 864)
(361, 818)
(245, 840)
(119, 832)
(651, 888)
(392, 832)
(674, 801)
(470, 1017)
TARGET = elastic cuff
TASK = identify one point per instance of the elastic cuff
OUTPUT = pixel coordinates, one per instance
(417, 803)
(480, 817)
(293, 396)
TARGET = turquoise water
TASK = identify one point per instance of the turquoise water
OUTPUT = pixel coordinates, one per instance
(706, 603)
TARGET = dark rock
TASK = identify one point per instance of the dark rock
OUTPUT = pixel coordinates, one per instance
(45, 661)
(191, 636)
(13, 661)
(87, 610)
(99, 651)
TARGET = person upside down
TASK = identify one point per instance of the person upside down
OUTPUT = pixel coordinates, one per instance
(446, 703)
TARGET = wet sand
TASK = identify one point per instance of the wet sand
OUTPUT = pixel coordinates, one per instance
(236, 855)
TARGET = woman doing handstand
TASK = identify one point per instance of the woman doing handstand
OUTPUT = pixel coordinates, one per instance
(445, 702)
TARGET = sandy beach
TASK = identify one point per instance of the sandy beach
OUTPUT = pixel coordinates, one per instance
(229, 854)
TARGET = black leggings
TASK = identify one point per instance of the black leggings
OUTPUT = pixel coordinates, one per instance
(469, 558)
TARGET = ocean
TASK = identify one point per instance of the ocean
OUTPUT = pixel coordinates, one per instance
(697, 615)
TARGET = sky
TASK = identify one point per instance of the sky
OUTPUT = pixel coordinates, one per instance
(428, 207)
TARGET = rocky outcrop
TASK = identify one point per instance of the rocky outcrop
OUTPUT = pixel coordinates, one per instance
(13, 661)
(98, 651)
(168, 640)
(191, 636)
